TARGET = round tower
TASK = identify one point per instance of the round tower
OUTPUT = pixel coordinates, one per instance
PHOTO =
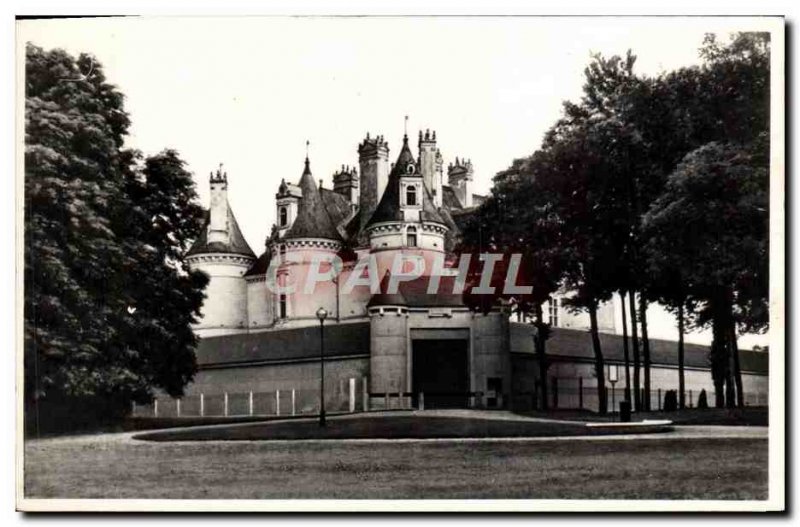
(407, 220)
(224, 255)
(306, 252)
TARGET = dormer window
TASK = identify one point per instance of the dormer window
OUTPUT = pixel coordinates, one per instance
(411, 196)
(411, 237)
(410, 168)
(283, 216)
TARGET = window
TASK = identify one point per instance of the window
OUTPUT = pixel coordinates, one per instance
(553, 311)
(411, 196)
(284, 216)
(411, 237)
(281, 306)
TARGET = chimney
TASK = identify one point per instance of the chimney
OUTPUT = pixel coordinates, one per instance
(459, 175)
(428, 165)
(345, 182)
(373, 160)
(218, 230)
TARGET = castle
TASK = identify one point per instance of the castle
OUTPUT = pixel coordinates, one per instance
(259, 338)
(382, 209)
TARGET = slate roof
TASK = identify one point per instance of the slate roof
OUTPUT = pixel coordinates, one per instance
(260, 266)
(237, 244)
(354, 339)
(569, 344)
(284, 345)
(338, 208)
(449, 199)
(414, 293)
(477, 200)
(313, 218)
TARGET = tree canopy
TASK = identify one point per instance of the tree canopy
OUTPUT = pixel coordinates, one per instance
(654, 185)
(108, 300)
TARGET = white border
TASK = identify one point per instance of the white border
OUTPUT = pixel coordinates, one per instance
(777, 269)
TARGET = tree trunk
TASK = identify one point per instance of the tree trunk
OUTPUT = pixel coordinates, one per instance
(718, 358)
(599, 365)
(737, 371)
(625, 348)
(681, 377)
(645, 352)
(637, 392)
(541, 355)
(726, 319)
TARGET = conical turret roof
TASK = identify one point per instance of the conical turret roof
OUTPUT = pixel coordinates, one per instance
(389, 207)
(236, 244)
(313, 220)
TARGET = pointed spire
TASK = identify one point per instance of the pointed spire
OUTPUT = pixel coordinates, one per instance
(405, 130)
(307, 169)
(312, 219)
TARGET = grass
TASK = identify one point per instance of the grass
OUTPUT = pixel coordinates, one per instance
(371, 427)
(653, 468)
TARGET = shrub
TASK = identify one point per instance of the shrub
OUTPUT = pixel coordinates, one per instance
(702, 399)
(670, 401)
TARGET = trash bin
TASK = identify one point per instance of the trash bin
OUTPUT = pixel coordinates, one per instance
(625, 411)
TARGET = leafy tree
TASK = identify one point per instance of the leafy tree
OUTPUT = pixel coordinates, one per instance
(85, 235)
(584, 184)
(713, 216)
(614, 94)
(518, 219)
(724, 101)
(160, 219)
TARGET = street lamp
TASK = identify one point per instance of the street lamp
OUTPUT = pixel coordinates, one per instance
(322, 314)
(613, 377)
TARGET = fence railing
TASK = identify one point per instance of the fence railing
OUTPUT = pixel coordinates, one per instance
(570, 393)
(352, 395)
(347, 395)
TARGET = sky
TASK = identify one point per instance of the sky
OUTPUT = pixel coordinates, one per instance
(249, 92)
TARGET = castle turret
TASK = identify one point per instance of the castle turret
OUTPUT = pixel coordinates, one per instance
(459, 176)
(406, 220)
(224, 255)
(430, 165)
(314, 234)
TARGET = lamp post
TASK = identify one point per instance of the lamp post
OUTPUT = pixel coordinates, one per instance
(613, 377)
(322, 314)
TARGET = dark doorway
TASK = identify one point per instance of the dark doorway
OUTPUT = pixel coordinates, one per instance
(441, 372)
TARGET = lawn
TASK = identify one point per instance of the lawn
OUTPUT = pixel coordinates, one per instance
(651, 468)
(378, 427)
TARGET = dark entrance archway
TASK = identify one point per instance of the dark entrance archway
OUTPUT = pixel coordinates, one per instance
(440, 370)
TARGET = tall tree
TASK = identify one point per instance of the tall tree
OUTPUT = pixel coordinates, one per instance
(715, 109)
(84, 357)
(74, 128)
(518, 219)
(161, 218)
(713, 217)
